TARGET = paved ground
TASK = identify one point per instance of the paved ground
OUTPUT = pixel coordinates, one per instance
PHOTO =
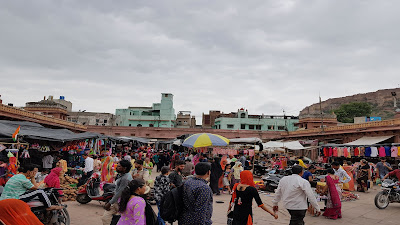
(362, 211)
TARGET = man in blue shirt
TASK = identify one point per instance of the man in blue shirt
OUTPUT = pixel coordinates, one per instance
(197, 198)
(308, 174)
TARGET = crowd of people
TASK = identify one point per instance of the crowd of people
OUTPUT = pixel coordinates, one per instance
(200, 177)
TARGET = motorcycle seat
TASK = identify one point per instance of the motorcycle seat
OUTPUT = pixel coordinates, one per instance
(34, 204)
(108, 187)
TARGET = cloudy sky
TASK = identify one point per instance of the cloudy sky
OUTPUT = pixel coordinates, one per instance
(212, 55)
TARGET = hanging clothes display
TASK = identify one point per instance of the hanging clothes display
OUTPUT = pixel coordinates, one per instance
(339, 152)
(387, 151)
(381, 151)
(345, 153)
(368, 152)
(335, 152)
(330, 152)
(394, 151)
(357, 151)
(374, 151)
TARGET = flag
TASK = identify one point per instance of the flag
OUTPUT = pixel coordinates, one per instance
(15, 134)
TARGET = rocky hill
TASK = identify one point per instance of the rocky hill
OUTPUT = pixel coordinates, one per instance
(381, 102)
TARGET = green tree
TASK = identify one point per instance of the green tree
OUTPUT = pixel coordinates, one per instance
(346, 112)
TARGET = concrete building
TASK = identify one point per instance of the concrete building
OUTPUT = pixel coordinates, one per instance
(159, 115)
(63, 102)
(92, 118)
(185, 120)
(209, 119)
(48, 107)
(241, 120)
(312, 121)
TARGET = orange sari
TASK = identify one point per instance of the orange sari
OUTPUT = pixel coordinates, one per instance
(15, 211)
(350, 184)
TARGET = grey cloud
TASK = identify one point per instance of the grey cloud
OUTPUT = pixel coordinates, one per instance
(262, 55)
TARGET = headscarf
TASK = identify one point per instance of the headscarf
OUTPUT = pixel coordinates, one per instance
(237, 169)
(246, 177)
(107, 171)
(224, 161)
(53, 179)
(15, 211)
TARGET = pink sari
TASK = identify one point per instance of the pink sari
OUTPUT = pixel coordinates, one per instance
(333, 206)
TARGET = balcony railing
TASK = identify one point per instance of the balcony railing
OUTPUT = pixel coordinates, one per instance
(23, 113)
(385, 123)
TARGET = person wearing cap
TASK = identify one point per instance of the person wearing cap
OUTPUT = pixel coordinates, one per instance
(394, 173)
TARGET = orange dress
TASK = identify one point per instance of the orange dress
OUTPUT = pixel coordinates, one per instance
(350, 185)
(15, 211)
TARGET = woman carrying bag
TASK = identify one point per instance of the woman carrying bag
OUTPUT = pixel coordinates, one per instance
(242, 198)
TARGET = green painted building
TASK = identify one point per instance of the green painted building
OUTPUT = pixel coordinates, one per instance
(241, 120)
(159, 115)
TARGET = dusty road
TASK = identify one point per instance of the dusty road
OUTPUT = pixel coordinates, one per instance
(362, 211)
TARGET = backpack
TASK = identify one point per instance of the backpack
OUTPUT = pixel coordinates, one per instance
(171, 205)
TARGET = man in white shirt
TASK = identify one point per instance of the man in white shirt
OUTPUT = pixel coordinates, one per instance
(88, 170)
(341, 173)
(293, 191)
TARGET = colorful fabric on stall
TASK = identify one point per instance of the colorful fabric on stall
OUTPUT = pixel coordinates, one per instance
(368, 152)
(356, 151)
(374, 151)
(387, 151)
(12, 166)
(339, 152)
(326, 152)
(330, 152)
(107, 170)
(345, 152)
(381, 151)
(335, 152)
(394, 151)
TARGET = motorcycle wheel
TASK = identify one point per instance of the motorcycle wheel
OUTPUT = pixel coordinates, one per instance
(83, 198)
(63, 218)
(381, 200)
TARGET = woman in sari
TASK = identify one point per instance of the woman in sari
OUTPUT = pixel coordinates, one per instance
(242, 199)
(107, 170)
(349, 170)
(333, 205)
(364, 173)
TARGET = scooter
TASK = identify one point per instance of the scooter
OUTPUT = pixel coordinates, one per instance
(91, 191)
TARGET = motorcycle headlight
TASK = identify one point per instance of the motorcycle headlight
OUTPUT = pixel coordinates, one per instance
(385, 185)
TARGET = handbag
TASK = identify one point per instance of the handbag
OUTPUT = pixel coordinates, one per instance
(230, 214)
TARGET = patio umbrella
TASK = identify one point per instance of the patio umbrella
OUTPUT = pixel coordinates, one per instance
(205, 140)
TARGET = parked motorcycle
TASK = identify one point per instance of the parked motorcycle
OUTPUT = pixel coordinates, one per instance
(55, 217)
(390, 193)
(91, 191)
(271, 181)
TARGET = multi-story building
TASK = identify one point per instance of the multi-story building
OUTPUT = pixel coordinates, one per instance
(209, 119)
(63, 102)
(159, 115)
(48, 107)
(92, 118)
(185, 120)
(241, 120)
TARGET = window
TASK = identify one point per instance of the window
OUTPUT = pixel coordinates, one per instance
(105, 121)
(139, 125)
(258, 127)
(270, 127)
(230, 126)
(151, 125)
(166, 95)
(133, 134)
(243, 115)
(97, 120)
(251, 127)
(242, 126)
(281, 127)
(117, 134)
(147, 135)
(130, 125)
